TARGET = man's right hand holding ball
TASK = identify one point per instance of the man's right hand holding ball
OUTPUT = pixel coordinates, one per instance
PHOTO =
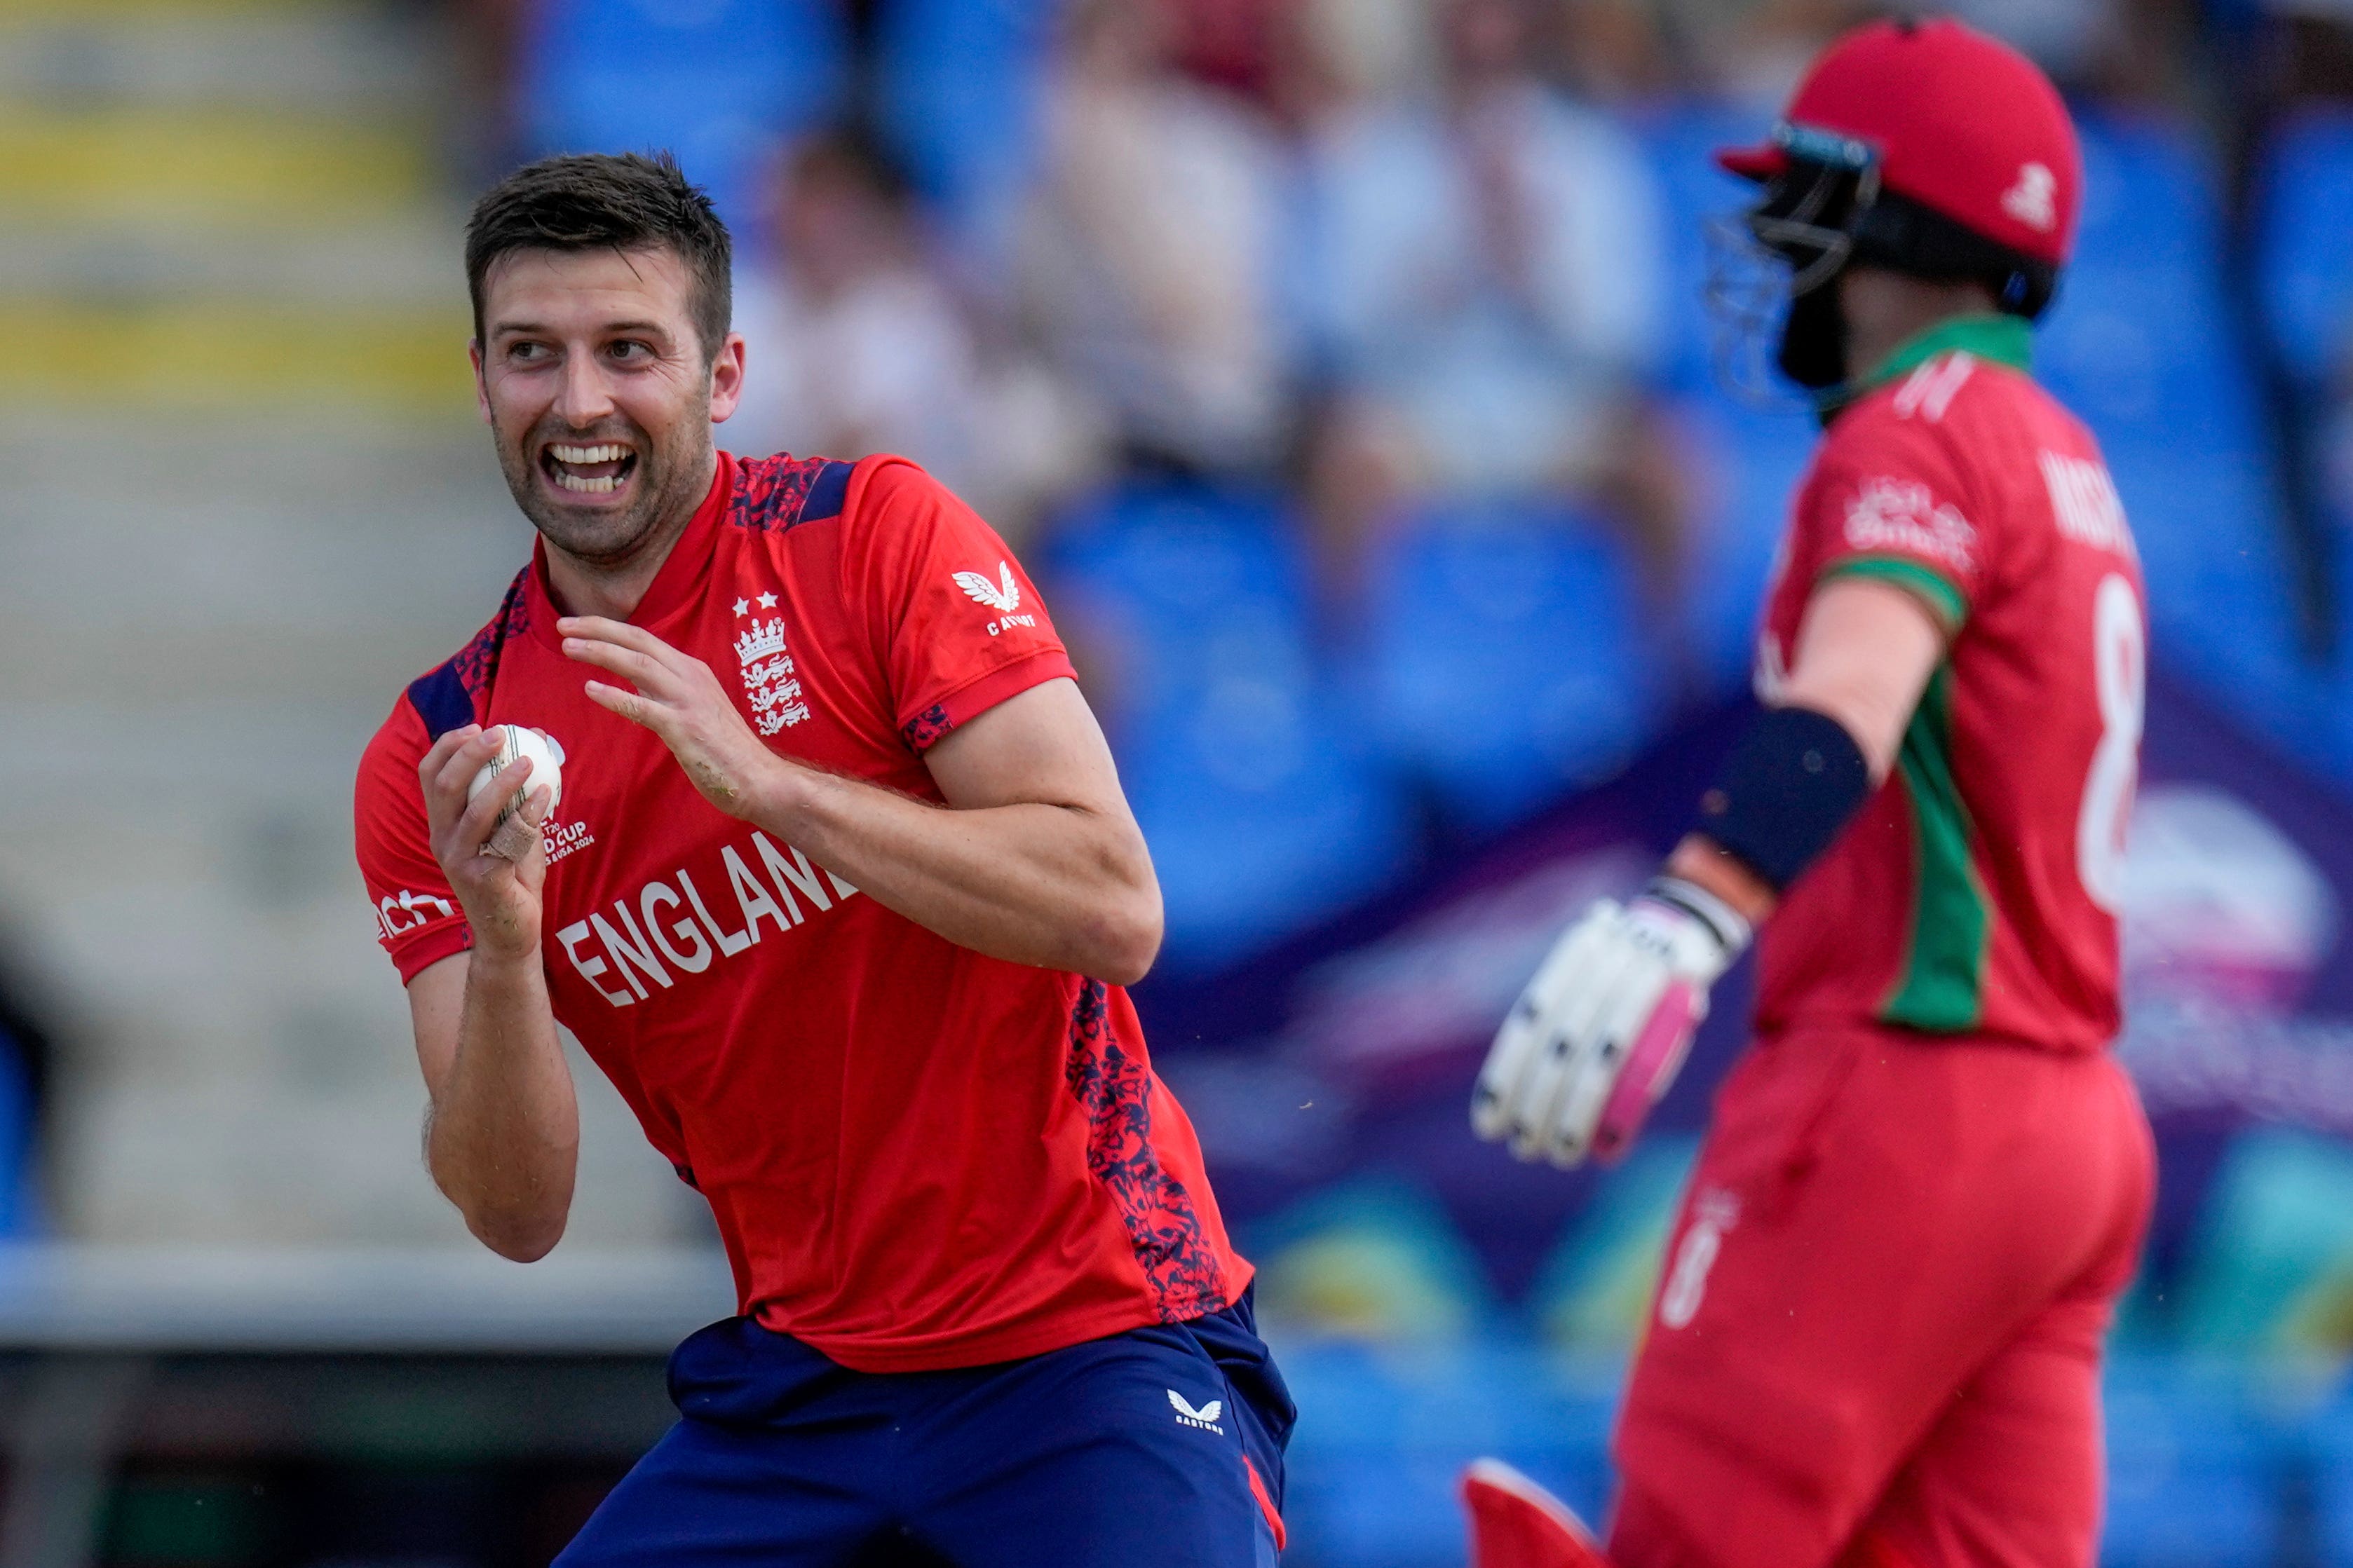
(497, 873)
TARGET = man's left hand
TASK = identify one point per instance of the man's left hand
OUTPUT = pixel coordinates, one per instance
(1599, 1033)
(679, 698)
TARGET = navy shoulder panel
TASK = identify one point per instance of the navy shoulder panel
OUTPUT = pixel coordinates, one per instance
(441, 699)
(828, 492)
(453, 694)
(780, 493)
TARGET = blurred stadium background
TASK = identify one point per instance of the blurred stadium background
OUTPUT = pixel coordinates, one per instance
(1339, 365)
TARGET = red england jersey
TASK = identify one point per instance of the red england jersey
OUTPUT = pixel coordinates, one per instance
(1976, 892)
(919, 1157)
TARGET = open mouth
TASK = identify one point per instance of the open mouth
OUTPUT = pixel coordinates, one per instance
(597, 470)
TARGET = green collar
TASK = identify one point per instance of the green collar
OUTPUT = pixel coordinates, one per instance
(2004, 340)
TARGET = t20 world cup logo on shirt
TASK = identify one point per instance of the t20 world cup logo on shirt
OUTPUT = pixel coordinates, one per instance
(769, 683)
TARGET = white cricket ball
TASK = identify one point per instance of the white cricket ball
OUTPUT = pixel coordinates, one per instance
(546, 768)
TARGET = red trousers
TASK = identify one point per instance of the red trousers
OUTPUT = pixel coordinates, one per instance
(1876, 1337)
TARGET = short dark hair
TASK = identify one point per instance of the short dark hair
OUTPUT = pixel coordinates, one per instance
(597, 200)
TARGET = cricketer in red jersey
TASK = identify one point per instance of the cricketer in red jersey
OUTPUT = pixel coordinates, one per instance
(839, 893)
(1877, 1335)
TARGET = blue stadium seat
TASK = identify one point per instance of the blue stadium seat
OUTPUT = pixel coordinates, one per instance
(2304, 213)
(2304, 210)
(2141, 337)
(1373, 1472)
(1264, 803)
(2141, 345)
(1694, 193)
(1262, 815)
(721, 83)
(2330, 1444)
(959, 86)
(1202, 584)
(1753, 461)
(20, 1213)
(1504, 665)
(1752, 455)
(2192, 1482)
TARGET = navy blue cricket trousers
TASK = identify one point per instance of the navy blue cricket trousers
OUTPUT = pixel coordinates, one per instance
(1161, 1448)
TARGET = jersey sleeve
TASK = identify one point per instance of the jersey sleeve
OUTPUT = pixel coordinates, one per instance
(1885, 501)
(416, 916)
(957, 623)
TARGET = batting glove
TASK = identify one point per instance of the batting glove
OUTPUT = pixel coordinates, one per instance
(1599, 1033)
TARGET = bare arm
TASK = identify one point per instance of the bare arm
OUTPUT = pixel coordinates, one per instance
(1865, 651)
(1038, 858)
(1035, 859)
(503, 1132)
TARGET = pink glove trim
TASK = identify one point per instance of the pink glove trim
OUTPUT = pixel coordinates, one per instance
(1650, 1066)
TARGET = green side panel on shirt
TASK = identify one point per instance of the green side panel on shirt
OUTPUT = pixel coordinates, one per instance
(1942, 987)
(1942, 595)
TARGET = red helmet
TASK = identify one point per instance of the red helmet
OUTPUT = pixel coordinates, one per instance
(1962, 125)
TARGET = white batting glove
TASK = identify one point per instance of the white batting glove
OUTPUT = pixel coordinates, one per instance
(1601, 1030)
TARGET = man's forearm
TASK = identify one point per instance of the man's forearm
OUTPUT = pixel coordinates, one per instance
(1050, 885)
(1700, 861)
(504, 1141)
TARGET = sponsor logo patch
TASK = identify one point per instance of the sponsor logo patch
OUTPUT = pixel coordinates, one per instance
(2034, 198)
(1903, 516)
(563, 839)
(1003, 595)
(406, 911)
(1206, 1417)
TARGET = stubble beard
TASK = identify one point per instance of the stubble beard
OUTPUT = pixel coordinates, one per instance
(669, 480)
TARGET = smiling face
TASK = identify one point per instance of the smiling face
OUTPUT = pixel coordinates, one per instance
(600, 398)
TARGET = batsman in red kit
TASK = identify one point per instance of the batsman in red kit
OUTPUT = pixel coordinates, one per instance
(1877, 1340)
(840, 890)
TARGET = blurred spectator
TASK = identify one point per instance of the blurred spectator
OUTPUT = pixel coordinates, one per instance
(1483, 277)
(1149, 248)
(486, 44)
(2305, 50)
(1608, 51)
(1755, 50)
(856, 345)
(24, 1060)
(2065, 37)
(1232, 44)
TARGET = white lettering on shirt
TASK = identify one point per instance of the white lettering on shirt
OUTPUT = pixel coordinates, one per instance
(696, 959)
(636, 955)
(2085, 500)
(796, 872)
(730, 942)
(570, 938)
(630, 952)
(406, 911)
(1930, 390)
(752, 895)
(1902, 515)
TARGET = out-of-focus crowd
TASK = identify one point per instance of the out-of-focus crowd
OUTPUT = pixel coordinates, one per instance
(1380, 250)
(1266, 328)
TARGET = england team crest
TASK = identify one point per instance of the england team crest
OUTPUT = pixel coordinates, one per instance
(770, 684)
